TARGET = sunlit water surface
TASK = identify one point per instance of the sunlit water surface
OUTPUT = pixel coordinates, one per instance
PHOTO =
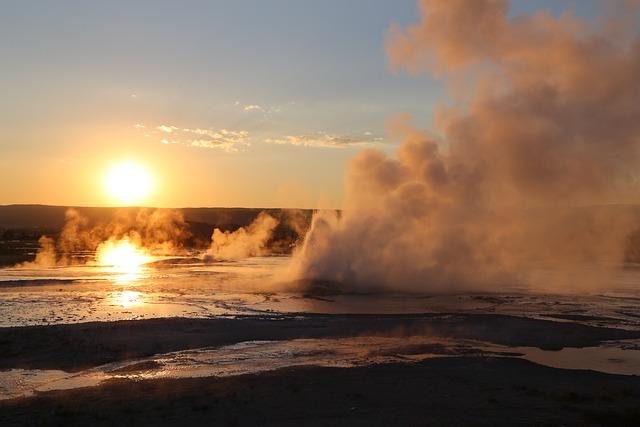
(190, 288)
(252, 357)
(255, 286)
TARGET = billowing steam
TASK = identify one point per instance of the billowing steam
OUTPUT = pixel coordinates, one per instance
(46, 255)
(244, 242)
(158, 231)
(134, 236)
(544, 132)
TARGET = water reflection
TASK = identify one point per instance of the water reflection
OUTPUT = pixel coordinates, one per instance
(123, 258)
(252, 357)
(128, 299)
(186, 288)
(124, 278)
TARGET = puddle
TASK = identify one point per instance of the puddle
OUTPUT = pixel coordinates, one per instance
(612, 358)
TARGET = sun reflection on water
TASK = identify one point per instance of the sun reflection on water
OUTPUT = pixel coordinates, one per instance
(128, 299)
(124, 258)
(124, 278)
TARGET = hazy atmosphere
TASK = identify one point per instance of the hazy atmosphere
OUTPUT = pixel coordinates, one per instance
(244, 103)
(285, 212)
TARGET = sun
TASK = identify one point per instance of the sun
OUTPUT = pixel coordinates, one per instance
(128, 182)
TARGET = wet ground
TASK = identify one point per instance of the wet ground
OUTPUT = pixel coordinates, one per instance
(186, 287)
(87, 326)
(252, 357)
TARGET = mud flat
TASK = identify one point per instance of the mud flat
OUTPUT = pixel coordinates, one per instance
(407, 381)
(75, 347)
(441, 392)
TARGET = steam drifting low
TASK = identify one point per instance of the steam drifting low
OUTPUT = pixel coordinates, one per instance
(244, 242)
(133, 237)
(156, 231)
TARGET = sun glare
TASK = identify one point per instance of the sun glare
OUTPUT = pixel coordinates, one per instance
(128, 299)
(128, 182)
(122, 257)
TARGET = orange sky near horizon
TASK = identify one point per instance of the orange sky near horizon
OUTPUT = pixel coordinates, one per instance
(263, 114)
(183, 176)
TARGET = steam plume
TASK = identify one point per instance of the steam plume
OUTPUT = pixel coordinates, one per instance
(244, 242)
(159, 231)
(546, 119)
(46, 255)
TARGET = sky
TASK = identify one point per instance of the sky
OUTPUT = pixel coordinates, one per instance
(228, 103)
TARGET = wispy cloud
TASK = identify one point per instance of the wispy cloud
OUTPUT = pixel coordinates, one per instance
(264, 110)
(222, 139)
(166, 129)
(235, 140)
(322, 139)
(253, 107)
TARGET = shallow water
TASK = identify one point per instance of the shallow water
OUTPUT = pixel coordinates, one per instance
(182, 287)
(259, 356)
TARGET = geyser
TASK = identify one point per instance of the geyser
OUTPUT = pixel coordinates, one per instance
(544, 126)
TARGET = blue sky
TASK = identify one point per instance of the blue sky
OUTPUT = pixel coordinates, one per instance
(87, 83)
